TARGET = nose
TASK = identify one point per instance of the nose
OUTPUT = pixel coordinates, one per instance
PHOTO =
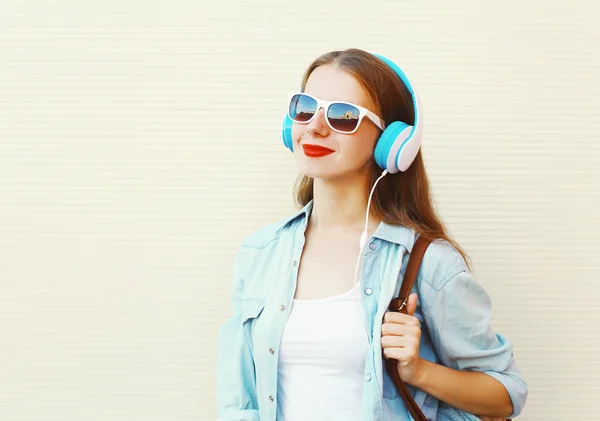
(318, 125)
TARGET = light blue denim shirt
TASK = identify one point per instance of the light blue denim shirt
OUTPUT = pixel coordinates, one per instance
(454, 310)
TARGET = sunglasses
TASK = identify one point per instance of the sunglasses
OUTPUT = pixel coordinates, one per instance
(342, 117)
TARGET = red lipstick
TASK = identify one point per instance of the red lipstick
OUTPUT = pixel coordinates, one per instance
(316, 151)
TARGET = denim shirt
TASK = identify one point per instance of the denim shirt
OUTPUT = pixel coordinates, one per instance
(453, 308)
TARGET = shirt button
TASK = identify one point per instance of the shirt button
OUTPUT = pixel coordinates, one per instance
(368, 291)
(295, 263)
(271, 398)
(368, 377)
(372, 246)
(282, 308)
(271, 351)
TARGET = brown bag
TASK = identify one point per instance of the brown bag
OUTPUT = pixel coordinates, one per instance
(399, 305)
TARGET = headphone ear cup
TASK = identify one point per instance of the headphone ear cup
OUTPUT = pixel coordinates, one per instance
(409, 150)
(286, 132)
(390, 146)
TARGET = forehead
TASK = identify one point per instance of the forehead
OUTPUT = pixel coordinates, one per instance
(331, 83)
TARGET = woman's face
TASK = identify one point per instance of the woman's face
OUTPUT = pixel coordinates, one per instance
(351, 152)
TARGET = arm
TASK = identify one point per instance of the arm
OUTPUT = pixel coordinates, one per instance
(236, 382)
(478, 393)
(470, 391)
(474, 356)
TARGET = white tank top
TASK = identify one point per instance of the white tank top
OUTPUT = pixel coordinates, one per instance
(322, 360)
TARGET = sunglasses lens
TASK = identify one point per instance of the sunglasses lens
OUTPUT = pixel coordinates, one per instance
(302, 108)
(343, 117)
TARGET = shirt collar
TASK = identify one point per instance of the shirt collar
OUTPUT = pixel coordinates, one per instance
(302, 215)
(397, 234)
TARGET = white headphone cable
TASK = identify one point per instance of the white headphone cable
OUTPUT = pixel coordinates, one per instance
(363, 241)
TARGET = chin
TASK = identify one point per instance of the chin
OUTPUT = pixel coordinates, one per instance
(315, 171)
(327, 167)
(326, 172)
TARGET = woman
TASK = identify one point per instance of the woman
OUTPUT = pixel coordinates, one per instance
(310, 326)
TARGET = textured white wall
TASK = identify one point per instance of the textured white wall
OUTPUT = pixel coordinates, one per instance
(140, 142)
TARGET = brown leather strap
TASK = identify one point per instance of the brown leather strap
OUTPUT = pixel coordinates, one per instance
(411, 405)
(399, 305)
(412, 268)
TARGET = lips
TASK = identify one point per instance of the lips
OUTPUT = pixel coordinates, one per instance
(315, 151)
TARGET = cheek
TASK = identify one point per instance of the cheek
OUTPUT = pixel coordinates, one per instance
(359, 148)
(297, 132)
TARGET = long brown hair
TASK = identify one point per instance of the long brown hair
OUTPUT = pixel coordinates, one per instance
(403, 198)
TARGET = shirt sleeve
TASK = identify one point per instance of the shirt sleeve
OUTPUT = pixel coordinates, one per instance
(235, 380)
(459, 322)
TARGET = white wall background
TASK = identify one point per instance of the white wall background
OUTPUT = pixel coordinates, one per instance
(140, 142)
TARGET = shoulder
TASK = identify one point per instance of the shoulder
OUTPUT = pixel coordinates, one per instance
(443, 272)
(262, 252)
(268, 234)
(441, 262)
(264, 235)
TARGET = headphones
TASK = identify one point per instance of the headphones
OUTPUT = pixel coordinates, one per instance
(399, 143)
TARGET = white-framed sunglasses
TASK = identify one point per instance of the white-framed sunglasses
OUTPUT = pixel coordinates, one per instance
(342, 117)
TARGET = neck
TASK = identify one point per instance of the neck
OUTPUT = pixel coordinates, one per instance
(341, 204)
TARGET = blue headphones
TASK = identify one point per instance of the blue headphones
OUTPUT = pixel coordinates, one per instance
(399, 143)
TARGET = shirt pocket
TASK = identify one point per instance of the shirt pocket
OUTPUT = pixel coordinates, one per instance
(251, 309)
